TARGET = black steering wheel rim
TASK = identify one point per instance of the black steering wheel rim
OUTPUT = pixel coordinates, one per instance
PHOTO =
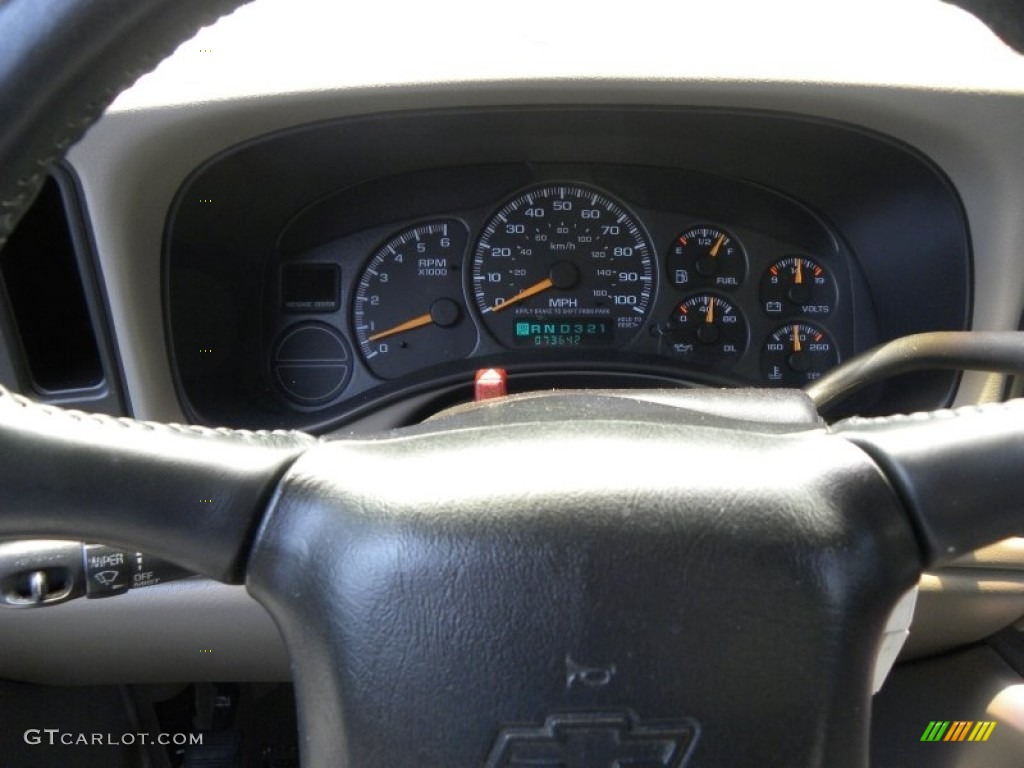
(475, 618)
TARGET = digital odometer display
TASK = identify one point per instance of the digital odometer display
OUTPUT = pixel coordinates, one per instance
(563, 265)
(564, 332)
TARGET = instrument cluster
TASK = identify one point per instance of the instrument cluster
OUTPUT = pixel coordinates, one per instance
(592, 269)
(356, 273)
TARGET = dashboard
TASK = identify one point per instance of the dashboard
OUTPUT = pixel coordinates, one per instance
(244, 192)
(571, 247)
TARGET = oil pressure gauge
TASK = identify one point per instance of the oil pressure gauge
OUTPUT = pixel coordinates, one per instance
(706, 329)
(797, 354)
(797, 285)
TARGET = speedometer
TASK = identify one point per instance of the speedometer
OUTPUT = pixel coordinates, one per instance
(563, 265)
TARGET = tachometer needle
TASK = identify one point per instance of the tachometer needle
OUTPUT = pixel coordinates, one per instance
(797, 347)
(526, 293)
(717, 245)
(408, 325)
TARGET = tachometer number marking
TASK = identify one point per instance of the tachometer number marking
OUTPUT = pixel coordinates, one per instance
(408, 311)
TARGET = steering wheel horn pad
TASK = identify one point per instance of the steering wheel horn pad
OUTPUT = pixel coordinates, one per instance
(436, 589)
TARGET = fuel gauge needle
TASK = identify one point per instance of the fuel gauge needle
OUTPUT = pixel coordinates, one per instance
(408, 325)
(717, 245)
(526, 293)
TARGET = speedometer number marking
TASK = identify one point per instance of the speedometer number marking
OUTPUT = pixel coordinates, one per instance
(562, 266)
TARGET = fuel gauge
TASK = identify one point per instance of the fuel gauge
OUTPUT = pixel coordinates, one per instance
(797, 285)
(705, 256)
(797, 354)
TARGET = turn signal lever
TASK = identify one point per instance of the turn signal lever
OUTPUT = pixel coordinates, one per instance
(993, 351)
(43, 572)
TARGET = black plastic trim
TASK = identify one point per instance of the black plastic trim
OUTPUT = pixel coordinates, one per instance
(117, 401)
(107, 394)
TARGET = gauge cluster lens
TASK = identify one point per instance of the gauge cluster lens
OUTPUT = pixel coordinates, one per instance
(563, 266)
(409, 311)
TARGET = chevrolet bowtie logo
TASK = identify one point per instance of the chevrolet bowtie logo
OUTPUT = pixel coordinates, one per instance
(588, 740)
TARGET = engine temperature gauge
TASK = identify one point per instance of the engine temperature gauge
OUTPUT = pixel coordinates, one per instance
(706, 329)
(797, 354)
(797, 285)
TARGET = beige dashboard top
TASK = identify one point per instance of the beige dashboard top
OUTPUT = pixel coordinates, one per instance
(291, 46)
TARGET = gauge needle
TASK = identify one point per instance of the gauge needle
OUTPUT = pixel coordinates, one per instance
(799, 271)
(717, 245)
(709, 318)
(526, 293)
(408, 325)
(796, 339)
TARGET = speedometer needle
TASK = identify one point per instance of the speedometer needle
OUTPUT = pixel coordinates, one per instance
(526, 293)
(408, 325)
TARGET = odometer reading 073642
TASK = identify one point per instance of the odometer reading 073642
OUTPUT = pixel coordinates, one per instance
(563, 265)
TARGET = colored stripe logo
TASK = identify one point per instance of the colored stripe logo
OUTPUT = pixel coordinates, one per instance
(958, 730)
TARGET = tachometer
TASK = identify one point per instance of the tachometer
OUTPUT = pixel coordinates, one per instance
(408, 307)
(563, 265)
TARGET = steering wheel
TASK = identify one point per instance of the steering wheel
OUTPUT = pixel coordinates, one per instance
(578, 579)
